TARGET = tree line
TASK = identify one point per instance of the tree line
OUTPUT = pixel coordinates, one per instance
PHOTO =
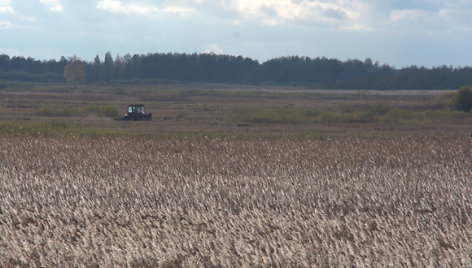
(293, 70)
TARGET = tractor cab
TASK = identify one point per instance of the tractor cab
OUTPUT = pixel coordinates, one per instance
(136, 109)
(136, 112)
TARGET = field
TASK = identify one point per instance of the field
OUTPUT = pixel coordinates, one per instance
(324, 182)
(221, 110)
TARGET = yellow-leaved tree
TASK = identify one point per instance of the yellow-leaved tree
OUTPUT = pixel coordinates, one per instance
(74, 71)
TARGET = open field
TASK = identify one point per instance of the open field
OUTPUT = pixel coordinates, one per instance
(228, 176)
(210, 202)
(222, 110)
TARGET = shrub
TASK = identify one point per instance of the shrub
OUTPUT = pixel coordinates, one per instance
(444, 101)
(464, 99)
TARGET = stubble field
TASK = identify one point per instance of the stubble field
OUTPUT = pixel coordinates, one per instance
(209, 202)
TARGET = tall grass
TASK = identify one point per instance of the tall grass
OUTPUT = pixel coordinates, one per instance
(140, 202)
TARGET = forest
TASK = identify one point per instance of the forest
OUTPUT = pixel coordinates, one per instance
(320, 72)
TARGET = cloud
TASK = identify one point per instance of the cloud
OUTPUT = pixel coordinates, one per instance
(344, 15)
(141, 8)
(9, 52)
(276, 12)
(410, 15)
(213, 49)
(399, 32)
(457, 17)
(5, 6)
(438, 16)
(5, 25)
(356, 27)
(53, 5)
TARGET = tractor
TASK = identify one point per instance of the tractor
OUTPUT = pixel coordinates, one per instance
(136, 113)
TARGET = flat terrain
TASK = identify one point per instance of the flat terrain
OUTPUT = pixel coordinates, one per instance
(223, 110)
(229, 176)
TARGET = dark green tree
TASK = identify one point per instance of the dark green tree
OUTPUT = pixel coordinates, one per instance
(464, 99)
(107, 68)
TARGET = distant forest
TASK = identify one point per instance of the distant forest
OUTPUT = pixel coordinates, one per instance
(211, 68)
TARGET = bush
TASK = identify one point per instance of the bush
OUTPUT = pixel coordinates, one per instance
(464, 99)
(444, 101)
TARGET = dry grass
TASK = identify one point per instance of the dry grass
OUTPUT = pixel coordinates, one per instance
(232, 202)
(238, 110)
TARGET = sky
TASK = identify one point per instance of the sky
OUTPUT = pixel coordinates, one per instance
(399, 33)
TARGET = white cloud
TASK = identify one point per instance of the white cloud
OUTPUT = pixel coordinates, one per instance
(179, 10)
(441, 19)
(10, 52)
(409, 15)
(5, 6)
(399, 32)
(116, 6)
(213, 49)
(356, 27)
(53, 5)
(459, 18)
(5, 25)
(274, 12)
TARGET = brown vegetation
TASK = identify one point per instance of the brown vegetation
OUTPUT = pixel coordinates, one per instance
(401, 201)
(225, 110)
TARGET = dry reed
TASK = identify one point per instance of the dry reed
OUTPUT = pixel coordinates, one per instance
(198, 202)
